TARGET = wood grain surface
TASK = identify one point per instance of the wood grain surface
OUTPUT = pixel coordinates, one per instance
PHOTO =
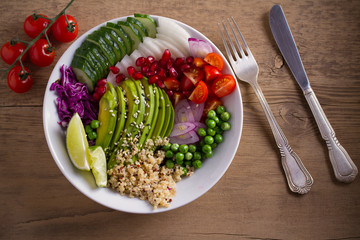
(252, 200)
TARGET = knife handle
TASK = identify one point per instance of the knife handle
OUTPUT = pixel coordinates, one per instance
(344, 168)
(298, 177)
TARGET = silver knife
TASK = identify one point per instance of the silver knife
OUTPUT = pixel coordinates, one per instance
(344, 168)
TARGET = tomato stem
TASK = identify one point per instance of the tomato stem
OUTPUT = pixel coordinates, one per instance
(23, 74)
(15, 41)
(36, 16)
(29, 44)
(70, 26)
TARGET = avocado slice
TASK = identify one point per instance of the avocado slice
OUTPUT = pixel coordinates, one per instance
(110, 87)
(120, 123)
(161, 116)
(169, 115)
(149, 110)
(156, 110)
(107, 117)
(140, 101)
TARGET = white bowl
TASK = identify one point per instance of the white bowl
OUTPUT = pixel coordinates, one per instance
(187, 190)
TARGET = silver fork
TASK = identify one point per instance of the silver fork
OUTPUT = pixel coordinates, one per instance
(247, 70)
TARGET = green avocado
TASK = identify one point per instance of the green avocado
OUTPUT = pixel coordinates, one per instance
(158, 125)
(170, 113)
(110, 87)
(107, 117)
(140, 101)
(120, 123)
(149, 110)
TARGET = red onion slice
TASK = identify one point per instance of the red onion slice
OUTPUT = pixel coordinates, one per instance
(183, 112)
(182, 128)
(199, 125)
(199, 48)
(187, 138)
(197, 110)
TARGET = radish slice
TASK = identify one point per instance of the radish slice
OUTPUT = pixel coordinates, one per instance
(183, 112)
(197, 110)
(182, 128)
(187, 138)
(199, 48)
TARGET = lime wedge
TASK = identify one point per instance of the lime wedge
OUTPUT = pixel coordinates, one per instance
(98, 165)
(77, 144)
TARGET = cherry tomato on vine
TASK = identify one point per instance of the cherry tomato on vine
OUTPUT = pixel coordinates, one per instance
(215, 60)
(10, 52)
(34, 25)
(18, 82)
(64, 32)
(41, 54)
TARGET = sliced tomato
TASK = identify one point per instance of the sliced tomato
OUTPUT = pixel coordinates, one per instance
(177, 97)
(211, 73)
(199, 62)
(223, 85)
(172, 84)
(195, 74)
(200, 93)
(215, 60)
(211, 104)
(186, 84)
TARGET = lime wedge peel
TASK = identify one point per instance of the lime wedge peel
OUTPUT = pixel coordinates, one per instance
(98, 165)
(77, 144)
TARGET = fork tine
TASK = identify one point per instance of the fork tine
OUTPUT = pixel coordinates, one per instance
(242, 53)
(230, 57)
(247, 49)
(234, 52)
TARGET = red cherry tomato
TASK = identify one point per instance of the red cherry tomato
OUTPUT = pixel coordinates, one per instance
(18, 82)
(64, 32)
(200, 93)
(198, 62)
(172, 84)
(194, 74)
(223, 85)
(41, 54)
(211, 104)
(33, 25)
(211, 73)
(9, 52)
(215, 60)
(186, 84)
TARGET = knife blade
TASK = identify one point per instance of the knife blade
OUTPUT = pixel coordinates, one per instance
(344, 168)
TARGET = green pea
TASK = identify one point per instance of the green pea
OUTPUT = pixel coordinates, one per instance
(209, 154)
(218, 138)
(185, 171)
(169, 154)
(214, 145)
(197, 156)
(174, 147)
(169, 164)
(187, 163)
(166, 147)
(211, 114)
(184, 148)
(210, 123)
(197, 164)
(225, 126)
(179, 156)
(94, 124)
(209, 140)
(216, 119)
(206, 148)
(201, 132)
(219, 123)
(225, 116)
(202, 142)
(211, 131)
(220, 110)
(88, 129)
(192, 148)
(92, 135)
(218, 130)
(188, 156)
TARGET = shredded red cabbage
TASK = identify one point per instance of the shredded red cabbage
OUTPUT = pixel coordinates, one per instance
(73, 97)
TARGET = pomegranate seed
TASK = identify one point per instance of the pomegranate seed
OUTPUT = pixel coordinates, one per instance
(150, 73)
(169, 93)
(163, 62)
(144, 69)
(160, 84)
(137, 75)
(150, 59)
(153, 79)
(140, 61)
(166, 55)
(96, 96)
(190, 60)
(101, 82)
(170, 63)
(173, 73)
(162, 73)
(120, 77)
(186, 93)
(101, 90)
(130, 70)
(114, 70)
(154, 65)
(184, 67)
(179, 61)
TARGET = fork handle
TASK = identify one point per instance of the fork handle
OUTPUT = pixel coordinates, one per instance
(298, 177)
(344, 168)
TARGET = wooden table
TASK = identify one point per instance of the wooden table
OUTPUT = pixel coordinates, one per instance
(252, 200)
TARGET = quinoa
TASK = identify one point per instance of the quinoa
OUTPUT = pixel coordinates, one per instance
(140, 173)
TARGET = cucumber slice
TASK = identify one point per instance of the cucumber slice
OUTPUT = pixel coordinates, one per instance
(124, 36)
(137, 24)
(112, 43)
(98, 54)
(148, 22)
(84, 73)
(113, 34)
(92, 60)
(90, 63)
(99, 40)
(133, 33)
